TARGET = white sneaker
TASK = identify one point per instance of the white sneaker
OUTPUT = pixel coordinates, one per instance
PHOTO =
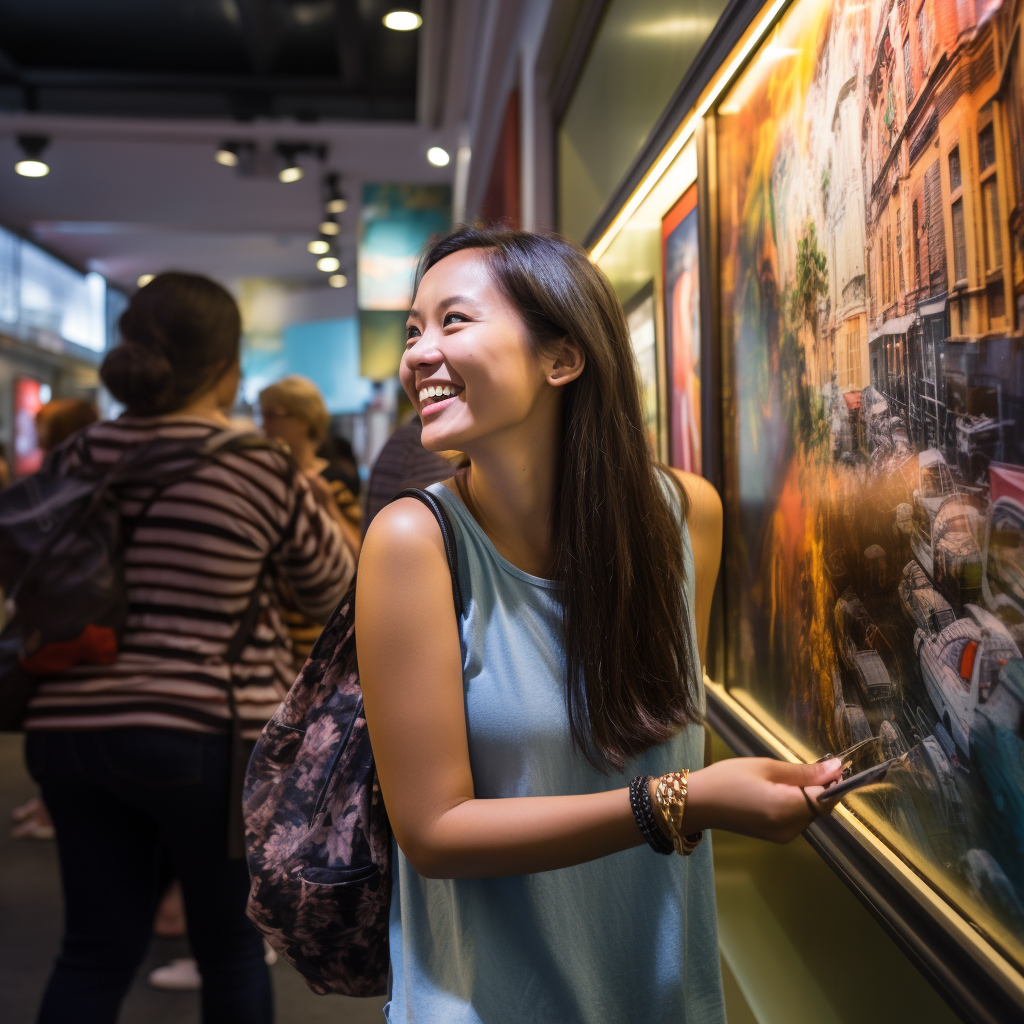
(178, 976)
(183, 975)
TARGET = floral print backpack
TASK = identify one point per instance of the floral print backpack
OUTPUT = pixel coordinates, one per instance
(317, 838)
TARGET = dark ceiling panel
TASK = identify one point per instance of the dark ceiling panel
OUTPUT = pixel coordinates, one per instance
(309, 59)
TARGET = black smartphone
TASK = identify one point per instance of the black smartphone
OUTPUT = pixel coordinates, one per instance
(865, 778)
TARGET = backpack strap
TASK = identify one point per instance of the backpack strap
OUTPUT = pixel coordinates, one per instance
(447, 535)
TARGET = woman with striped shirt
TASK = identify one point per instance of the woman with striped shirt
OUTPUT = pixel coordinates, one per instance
(135, 755)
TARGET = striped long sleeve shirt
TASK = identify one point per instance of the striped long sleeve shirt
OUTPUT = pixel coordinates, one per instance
(191, 565)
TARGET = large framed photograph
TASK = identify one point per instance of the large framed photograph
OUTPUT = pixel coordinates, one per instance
(680, 252)
(869, 189)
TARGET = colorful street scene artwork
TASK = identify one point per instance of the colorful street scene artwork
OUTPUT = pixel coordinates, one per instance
(682, 328)
(870, 174)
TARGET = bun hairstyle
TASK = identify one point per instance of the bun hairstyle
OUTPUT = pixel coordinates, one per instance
(179, 334)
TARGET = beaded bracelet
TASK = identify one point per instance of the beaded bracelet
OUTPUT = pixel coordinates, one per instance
(643, 811)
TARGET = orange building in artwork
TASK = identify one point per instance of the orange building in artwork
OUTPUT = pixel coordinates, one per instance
(944, 187)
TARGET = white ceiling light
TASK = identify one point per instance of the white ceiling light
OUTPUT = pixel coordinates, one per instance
(32, 166)
(330, 227)
(402, 21)
(339, 205)
(328, 264)
(144, 280)
(290, 174)
(337, 280)
(318, 247)
(227, 156)
(438, 157)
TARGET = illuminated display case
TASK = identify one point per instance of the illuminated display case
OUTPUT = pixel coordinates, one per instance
(859, 233)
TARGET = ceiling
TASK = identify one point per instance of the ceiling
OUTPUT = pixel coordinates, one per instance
(304, 59)
(136, 97)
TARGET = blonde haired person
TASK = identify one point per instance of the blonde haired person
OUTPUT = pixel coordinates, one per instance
(294, 413)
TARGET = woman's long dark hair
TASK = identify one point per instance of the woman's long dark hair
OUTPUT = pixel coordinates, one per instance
(630, 660)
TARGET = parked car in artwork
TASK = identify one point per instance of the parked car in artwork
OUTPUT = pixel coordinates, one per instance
(858, 641)
(922, 604)
(960, 666)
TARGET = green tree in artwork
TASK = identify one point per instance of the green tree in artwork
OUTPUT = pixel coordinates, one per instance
(811, 280)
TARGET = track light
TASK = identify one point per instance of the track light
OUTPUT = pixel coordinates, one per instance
(334, 199)
(227, 155)
(318, 247)
(288, 156)
(339, 205)
(32, 166)
(438, 157)
(328, 264)
(144, 280)
(337, 280)
(402, 21)
(330, 227)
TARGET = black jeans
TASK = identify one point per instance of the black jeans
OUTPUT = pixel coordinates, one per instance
(117, 797)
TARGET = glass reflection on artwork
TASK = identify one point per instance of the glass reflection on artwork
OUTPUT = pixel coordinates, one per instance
(871, 190)
(682, 327)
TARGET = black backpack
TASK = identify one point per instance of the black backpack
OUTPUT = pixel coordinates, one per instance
(317, 837)
(62, 543)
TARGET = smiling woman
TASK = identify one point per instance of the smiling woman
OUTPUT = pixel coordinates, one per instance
(557, 719)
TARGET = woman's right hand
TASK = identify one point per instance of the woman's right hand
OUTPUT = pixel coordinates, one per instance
(758, 796)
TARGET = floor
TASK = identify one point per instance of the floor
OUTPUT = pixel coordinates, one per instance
(30, 909)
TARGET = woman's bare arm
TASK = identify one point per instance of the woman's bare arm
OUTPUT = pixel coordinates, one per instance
(411, 674)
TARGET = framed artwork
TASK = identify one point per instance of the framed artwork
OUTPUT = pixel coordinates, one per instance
(869, 178)
(640, 318)
(680, 251)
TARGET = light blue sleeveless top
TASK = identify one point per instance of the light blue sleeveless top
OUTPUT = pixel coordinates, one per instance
(625, 939)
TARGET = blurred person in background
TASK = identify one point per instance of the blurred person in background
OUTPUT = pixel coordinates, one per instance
(404, 462)
(60, 418)
(294, 413)
(134, 758)
(337, 450)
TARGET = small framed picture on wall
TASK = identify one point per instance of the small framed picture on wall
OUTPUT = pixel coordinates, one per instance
(679, 245)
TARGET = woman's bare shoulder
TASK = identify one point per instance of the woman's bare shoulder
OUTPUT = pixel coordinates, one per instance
(705, 514)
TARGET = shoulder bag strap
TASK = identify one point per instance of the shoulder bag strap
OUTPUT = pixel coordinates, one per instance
(447, 535)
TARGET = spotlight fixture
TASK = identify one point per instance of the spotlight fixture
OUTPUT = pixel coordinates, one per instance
(144, 280)
(318, 247)
(32, 166)
(402, 21)
(288, 155)
(337, 280)
(438, 157)
(227, 154)
(334, 199)
(330, 227)
(328, 264)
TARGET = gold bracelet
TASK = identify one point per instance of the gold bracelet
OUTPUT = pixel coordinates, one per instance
(670, 798)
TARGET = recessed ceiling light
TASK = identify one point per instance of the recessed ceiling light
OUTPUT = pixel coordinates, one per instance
(32, 166)
(290, 174)
(337, 280)
(338, 205)
(318, 247)
(402, 21)
(144, 280)
(438, 157)
(328, 264)
(329, 227)
(226, 157)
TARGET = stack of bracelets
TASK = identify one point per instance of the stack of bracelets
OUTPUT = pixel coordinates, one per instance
(670, 798)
